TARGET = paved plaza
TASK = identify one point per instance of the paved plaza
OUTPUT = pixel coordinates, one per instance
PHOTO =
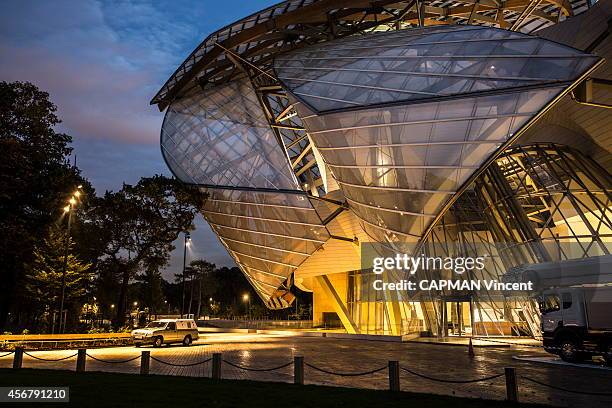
(344, 355)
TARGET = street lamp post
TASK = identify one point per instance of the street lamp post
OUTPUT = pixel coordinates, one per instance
(67, 210)
(136, 314)
(187, 241)
(247, 300)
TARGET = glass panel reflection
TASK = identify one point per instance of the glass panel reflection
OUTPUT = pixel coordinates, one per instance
(268, 234)
(399, 165)
(408, 65)
(221, 137)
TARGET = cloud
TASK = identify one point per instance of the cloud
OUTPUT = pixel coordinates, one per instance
(100, 74)
(102, 62)
(79, 62)
(107, 164)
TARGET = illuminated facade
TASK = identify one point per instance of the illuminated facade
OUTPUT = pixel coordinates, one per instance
(318, 128)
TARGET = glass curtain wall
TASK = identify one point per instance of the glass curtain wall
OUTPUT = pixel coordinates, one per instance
(536, 203)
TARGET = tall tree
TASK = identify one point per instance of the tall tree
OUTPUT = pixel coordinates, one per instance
(140, 223)
(35, 181)
(201, 282)
(44, 275)
(151, 284)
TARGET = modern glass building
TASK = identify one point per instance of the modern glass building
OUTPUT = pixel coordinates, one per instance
(325, 130)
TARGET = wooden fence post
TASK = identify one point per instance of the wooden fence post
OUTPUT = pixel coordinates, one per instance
(18, 357)
(216, 366)
(81, 356)
(298, 370)
(394, 377)
(145, 362)
(511, 384)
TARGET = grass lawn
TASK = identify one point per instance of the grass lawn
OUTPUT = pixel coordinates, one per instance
(96, 389)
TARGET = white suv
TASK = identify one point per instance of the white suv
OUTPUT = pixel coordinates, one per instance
(166, 331)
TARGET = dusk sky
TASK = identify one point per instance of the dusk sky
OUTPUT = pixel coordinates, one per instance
(102, 62)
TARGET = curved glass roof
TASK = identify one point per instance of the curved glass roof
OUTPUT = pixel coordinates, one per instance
(398, 165)
(411, 65)
(293, 23)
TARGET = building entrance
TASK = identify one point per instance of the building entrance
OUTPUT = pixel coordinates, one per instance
(457, 316)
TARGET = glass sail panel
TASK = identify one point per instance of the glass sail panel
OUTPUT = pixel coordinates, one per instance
(411, 65)
(220, 137)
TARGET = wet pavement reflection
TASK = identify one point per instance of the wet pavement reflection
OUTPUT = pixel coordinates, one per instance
(343, 355)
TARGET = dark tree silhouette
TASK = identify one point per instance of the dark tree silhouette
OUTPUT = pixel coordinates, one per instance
(140, 223)
(35, 181)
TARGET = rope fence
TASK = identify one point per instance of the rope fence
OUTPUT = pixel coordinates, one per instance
(298, 363)
(7, 354)
(112, 361)
(554, 387)
(50, 359)
(442, 380)
(181, 365)
(345, 374)
(257, 369)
